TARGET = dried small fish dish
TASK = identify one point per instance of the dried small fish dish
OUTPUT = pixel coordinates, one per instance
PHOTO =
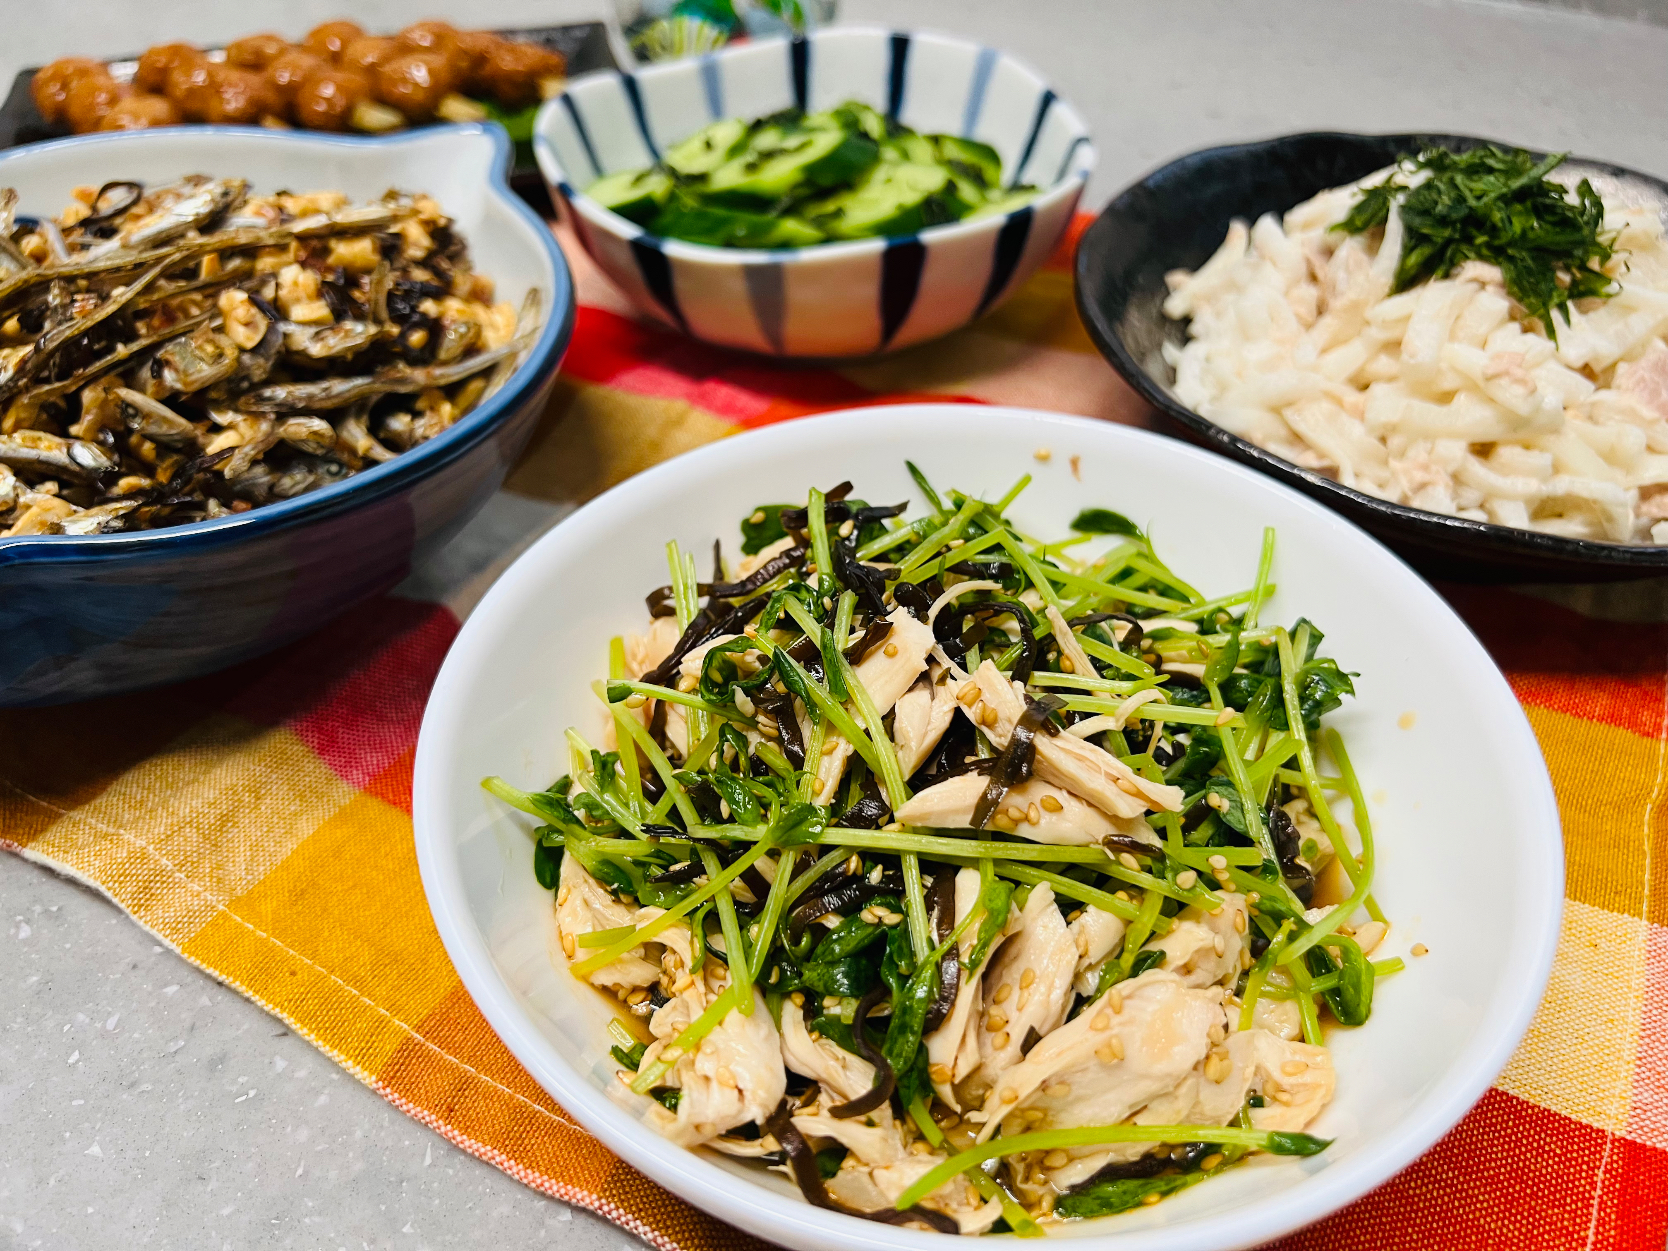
(182, 352)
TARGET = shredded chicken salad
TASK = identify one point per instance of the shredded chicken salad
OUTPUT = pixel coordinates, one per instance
(972, 881)
(1457, 332)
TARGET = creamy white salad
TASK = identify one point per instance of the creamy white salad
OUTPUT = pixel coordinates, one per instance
(1458, 333)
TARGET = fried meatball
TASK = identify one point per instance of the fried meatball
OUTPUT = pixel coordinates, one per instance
(367, 54)
(140, 112)
(469, 57)
(513, 71)
(191, 86)
(289, 69)
(430, 36)
(93, 96)
(158, 63)
(413, 83)
(255, 52)
(51, 84)
(328, 40)
(327, 96)
(243, 96)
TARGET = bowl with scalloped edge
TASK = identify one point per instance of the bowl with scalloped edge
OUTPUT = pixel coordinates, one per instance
(831, 299)
(1465, 787)
(90, 615)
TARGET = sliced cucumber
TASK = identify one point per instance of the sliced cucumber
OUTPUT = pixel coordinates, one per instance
(860, 119)
(636, 195)
(894, 198)
(792, 179)
(908, 146)
(975, 160)
(1005, 201)
(732, 228)
(782, 159)
(706, 149)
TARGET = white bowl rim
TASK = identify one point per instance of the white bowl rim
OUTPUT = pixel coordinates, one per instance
(542, 358)
(689, 1175)
(550, 167)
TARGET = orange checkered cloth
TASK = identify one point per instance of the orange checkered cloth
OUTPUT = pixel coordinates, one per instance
(258, 821)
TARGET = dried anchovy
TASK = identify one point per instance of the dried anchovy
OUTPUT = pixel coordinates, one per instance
(152, 374)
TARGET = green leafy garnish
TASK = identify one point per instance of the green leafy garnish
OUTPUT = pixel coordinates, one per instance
(628, 1057)
(1121, 1194)
(1104, 521)
(1496, 205)
(761, 528)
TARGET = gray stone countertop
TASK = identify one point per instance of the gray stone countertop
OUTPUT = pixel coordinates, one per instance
(144, 1105)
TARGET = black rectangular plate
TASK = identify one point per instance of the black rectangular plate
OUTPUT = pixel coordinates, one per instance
(584, 44)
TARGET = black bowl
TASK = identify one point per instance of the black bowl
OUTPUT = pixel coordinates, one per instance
(1175, 218)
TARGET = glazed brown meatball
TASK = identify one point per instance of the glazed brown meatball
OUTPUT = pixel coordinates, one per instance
(158, 62)
(413, 83)
(242, 96)
(191, 86)
(51, 85)
(289, 69)
(513, 70)
(93, 96)
(328, 40)
(469, 57)
(430, 36)
(140, 112)
(327, 97)
(367, 54)
(255, 52)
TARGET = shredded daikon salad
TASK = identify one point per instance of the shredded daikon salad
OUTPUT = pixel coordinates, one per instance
(1459, 333)
(973, 881)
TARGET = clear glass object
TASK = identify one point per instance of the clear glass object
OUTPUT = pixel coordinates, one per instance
(661, 30)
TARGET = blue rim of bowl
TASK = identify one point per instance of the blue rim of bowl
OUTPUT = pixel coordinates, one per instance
(1507, 546)
(541, 363)
(681, 249)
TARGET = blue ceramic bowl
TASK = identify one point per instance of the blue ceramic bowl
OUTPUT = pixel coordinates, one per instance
(84, 616)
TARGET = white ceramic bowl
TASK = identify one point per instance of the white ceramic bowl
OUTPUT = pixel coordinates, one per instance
(1469, 850)
(834, 299)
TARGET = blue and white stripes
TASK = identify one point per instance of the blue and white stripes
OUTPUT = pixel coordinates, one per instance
(838, 299)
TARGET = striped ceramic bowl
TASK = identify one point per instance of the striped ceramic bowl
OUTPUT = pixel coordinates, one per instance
(833, 299)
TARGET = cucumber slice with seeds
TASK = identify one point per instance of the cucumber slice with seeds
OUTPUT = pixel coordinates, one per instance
(894, 198)
(860, 119)
(635, 195)
(733, 228)
(706, 149)
(780, 160)
(1005, 202)
(970, 157)
(910, 147)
